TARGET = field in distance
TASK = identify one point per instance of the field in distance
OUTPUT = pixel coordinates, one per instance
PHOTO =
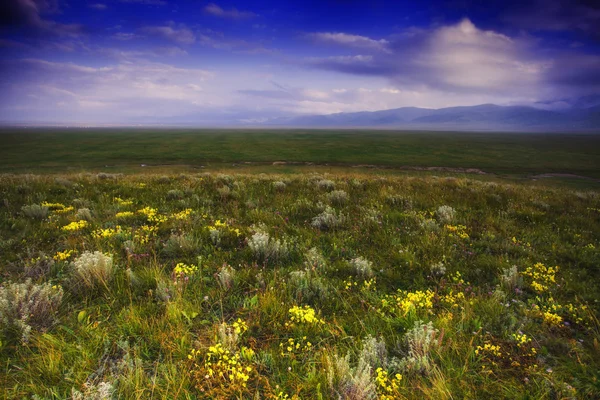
(501, 153)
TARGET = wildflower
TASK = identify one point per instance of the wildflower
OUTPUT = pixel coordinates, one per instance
(304, 315)
(75, 226)
(63, 255)
(107, 233)
(124, 215)
(541, 277)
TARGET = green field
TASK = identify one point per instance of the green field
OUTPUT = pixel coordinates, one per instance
(306, 280)
(297, 286)
(500, 153)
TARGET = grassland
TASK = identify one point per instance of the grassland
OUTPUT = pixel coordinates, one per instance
(312, 286)
(499, 153)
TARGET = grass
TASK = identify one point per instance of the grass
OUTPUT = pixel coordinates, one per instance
(191, 310)
(500, 153)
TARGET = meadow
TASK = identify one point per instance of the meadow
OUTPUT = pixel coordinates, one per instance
(40, 150)
(308, 285)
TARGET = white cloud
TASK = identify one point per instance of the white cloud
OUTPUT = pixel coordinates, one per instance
(233, 13)
(345, 39)
(182, 35)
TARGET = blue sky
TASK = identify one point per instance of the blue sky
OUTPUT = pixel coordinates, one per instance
(129, 61)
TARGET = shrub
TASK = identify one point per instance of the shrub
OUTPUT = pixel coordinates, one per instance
(361, 267)
(328, 219)
(266, 248)
(180, 244)
(438, 270)
(510, 280)
(279, 186)
(101, 391)
(25, 307)
(307, 287)
(174, 194)
(338, 197)
(325, 184)
(445, 214)
(35, 211)
(422, 340)
(226, 276)
(83, 214)
(350, 383)
(226, 193)
(313, 259)
(374, 352)
(93, 270)
(401, 202)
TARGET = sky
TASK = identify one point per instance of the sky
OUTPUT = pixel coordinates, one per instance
(167, 61)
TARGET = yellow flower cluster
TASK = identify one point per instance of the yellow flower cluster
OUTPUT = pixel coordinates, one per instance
(304, 315)
(542, 277)
(123, 203)
(144, 233)
(63, 255)
(405, 302)
(107, 233)
(183, 215)
(152, 215)
(458, 279)
(219, 224)
(64, 210)
(53, 206)
(576, 313)
(222, 364)
(452, 299)
(551, 318)
(524, 344)
(457, 230)
(489, 349)
(182, 270)
(239, 326)
(75, 226)
(124, 214)
(366, 284)
(386, 386)
(293, 347)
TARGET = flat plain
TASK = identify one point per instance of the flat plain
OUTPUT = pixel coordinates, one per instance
(298, 281)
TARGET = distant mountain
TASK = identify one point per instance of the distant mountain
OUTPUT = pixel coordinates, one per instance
(480, 117)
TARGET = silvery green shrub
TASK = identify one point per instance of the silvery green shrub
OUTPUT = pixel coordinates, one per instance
(325, 184)
(226, 276)
(265, 247)
(338, 197)
(174, 194)
(328, 219)
(313, 259)
(361, 267)
(93, 270)
(27, 307)
(422, 341)
(346, 382)
(83, 214)
(445, 214)
(35, 211)
(279, 186)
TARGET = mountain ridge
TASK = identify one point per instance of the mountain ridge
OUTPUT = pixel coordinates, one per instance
(482, 116)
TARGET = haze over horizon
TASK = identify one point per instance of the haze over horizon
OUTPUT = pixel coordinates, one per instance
(130, 61)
